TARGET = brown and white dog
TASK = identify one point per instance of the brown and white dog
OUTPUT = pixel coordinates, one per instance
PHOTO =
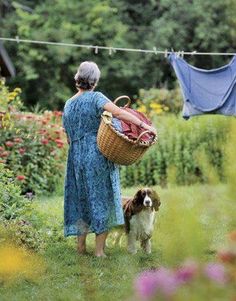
(139, 214)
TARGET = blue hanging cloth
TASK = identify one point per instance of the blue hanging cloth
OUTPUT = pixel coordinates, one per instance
(206, 91)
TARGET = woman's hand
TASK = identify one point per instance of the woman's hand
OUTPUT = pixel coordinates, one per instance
(149, 128)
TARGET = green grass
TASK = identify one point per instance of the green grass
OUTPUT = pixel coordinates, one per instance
(192, 222)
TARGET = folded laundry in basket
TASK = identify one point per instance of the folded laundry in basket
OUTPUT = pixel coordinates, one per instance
(116, 123)
(132, 131)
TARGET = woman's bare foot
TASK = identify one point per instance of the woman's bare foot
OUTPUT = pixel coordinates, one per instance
(103, 255)
(81, 247)
(100, 244)
(82, 251)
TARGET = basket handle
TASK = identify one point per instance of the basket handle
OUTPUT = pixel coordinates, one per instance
(124, 97)
(145, 132)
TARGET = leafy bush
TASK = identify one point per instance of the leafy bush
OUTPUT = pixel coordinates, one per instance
(187, 152)
(16, 213)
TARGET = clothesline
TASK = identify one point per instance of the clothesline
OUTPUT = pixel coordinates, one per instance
(114, 49)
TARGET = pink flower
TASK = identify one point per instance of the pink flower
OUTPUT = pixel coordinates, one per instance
(187, 271)
(44, 141)
(18, 140)
(216, 272)
(9, 143)
(147, 284)
(162, 281)
(4, 154)
(22, 151)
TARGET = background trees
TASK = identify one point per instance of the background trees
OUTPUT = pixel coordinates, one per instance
(45, 73)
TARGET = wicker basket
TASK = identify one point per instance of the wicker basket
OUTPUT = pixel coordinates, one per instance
(116, 146)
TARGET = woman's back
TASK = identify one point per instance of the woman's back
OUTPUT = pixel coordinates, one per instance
(82, 114)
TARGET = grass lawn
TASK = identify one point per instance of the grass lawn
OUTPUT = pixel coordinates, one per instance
(192, 223)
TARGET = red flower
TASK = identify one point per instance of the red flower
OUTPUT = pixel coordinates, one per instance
(18, 140)
(22, 151)
(44, 141)
(57, 113)
(9, 143)
(43, 131)
(4, 154)
(226, 256)
(59, 141)
(59, 145)
(20, 178)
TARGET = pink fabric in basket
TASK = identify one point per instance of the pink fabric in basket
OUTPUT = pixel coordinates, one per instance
(132, 131)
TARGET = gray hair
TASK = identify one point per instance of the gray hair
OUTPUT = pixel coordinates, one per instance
(87, 75)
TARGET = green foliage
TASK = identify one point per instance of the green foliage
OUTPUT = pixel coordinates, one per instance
(186, 152)
(12, 203)
(17, 214)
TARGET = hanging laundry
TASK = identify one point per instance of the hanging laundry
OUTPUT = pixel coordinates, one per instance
(206, 91)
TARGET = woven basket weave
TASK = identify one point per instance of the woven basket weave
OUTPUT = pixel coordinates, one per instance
(116, 146)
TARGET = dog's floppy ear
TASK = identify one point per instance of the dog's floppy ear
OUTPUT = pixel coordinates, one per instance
(138, 196)
(156, 200)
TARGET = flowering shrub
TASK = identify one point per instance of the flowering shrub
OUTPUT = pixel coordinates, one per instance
(158, 101)
(32, 146)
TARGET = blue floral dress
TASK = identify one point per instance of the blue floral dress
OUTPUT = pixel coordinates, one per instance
(92, 198)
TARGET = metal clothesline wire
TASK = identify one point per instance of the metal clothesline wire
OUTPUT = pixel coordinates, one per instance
(114, 49)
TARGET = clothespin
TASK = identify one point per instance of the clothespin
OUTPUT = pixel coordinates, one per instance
(178, 54)
(155, 50)
(193, 52)
(17, 39)
(110, 51)
(182, 54)
(96, 50)
(166, 53)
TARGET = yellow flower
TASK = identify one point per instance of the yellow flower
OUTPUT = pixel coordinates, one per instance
(17, 262)
(155, 105)
(17, 90)
(158, 111)
(142, 109)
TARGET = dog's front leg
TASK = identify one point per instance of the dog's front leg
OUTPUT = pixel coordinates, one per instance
(132, 243)
(146, 245)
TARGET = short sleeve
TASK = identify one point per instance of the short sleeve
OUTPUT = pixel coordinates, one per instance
(101, 100)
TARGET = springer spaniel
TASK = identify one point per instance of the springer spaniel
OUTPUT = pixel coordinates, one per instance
(139, 214)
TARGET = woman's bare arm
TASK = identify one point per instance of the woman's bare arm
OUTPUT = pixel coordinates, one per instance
(126, 116)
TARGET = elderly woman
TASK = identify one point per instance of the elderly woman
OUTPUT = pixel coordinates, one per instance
(92, 198)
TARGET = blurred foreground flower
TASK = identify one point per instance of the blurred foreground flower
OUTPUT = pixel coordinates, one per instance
(187, 271)
(216, 272)
(159, 282)
(18, 263)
